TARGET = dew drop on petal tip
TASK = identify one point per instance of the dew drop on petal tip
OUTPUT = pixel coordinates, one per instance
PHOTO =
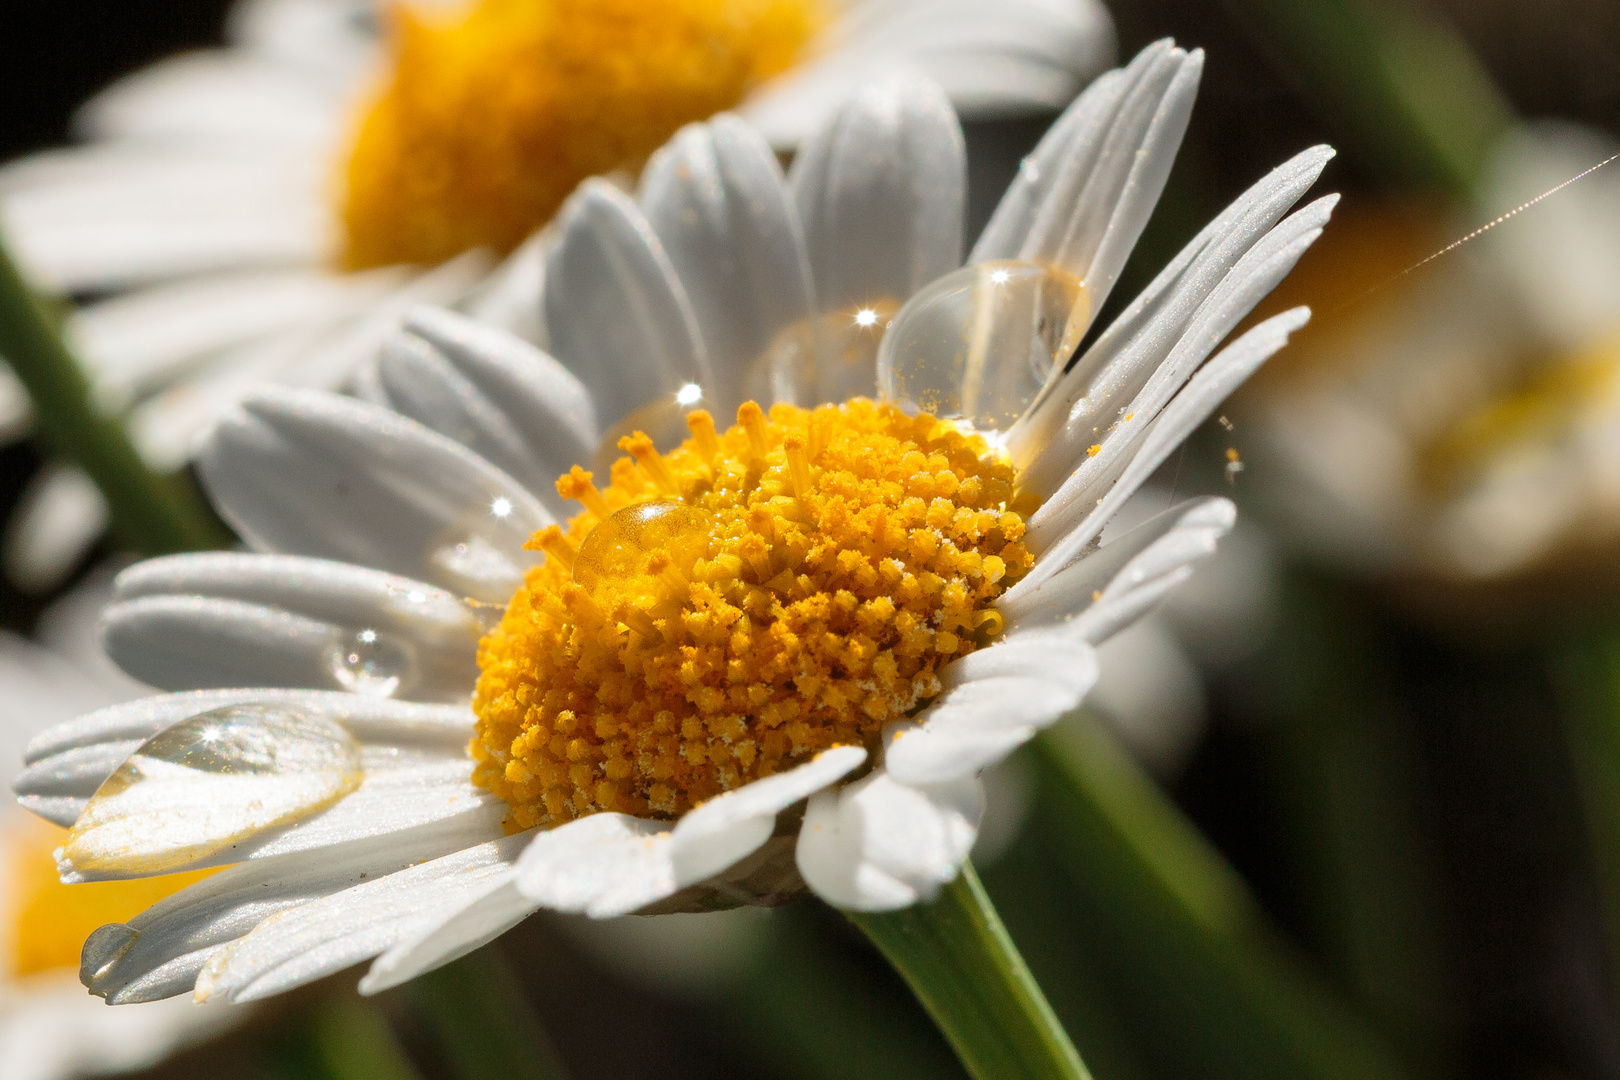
(211, 781)
(981, 342)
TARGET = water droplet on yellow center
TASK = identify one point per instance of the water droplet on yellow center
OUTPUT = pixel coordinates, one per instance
(490, 117)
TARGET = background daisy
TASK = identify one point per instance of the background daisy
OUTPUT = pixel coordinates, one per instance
(220, 196)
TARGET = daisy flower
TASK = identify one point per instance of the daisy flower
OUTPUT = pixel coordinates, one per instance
(264, 212)
(49, 1028)
(1463, 425)
(739, 661)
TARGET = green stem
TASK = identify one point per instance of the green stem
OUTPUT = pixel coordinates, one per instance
(1587, 669)
(478, 1014)
(1406, 89)
(352, 1041)
(153, 514)
(1188, 940)
(962, 965)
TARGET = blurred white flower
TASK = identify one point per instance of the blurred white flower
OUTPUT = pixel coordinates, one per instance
(1463, 423)
(219, 195)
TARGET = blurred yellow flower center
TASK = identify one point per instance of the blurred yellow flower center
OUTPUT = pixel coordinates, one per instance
(47, 922)
(729, 609)
(490, 117)
(1556, 397)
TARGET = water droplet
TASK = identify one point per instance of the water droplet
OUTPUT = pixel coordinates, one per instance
(980, 343)
(210, 782)
(476, 567)
(663, 419)
(832, 357)
(613, 561)
(1029, 171)
(370, 663)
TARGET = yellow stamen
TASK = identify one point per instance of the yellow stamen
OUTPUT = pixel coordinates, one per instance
(48, 921)
(640, 446)
(552, 541)
(770, 615)
(798, 463)
(752, 419)
(491, 116)
(701, 424)
(576, 484)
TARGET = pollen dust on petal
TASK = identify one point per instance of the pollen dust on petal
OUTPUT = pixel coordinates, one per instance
(729, 609)
(490, 117)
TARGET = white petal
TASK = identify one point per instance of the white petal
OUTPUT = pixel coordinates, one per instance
(334, 40)
(995, 699)
(216, 94)
(318, 938)
(1111, 173)
(615, 311)
(881, 191)
(731, 826)
(509, 298)
(486, 917)
(601, 865)
(58, 519)
(716, 198)
(1094, 388)
(878, 844)
(311, 473)
(1254, 276)
(91, 219)
(227, 619)
(492, 392)
(993, 60)
(175, 937)
(137, 343)
(1124, 578)
(607, 865)
(1202, 395)
(68, 762)
(166, 428)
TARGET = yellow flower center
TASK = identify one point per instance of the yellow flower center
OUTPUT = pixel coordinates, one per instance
(1555, 397)
(490, 118)
(48, 922)
(729, 609)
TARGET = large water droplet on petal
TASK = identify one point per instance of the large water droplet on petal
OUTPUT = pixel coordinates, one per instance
(371, 663)
(980, 343)
(211, 781)
(616, 559)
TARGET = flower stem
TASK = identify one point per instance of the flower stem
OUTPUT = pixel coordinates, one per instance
(964, 968)
(151, 513)
(478, 1015)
